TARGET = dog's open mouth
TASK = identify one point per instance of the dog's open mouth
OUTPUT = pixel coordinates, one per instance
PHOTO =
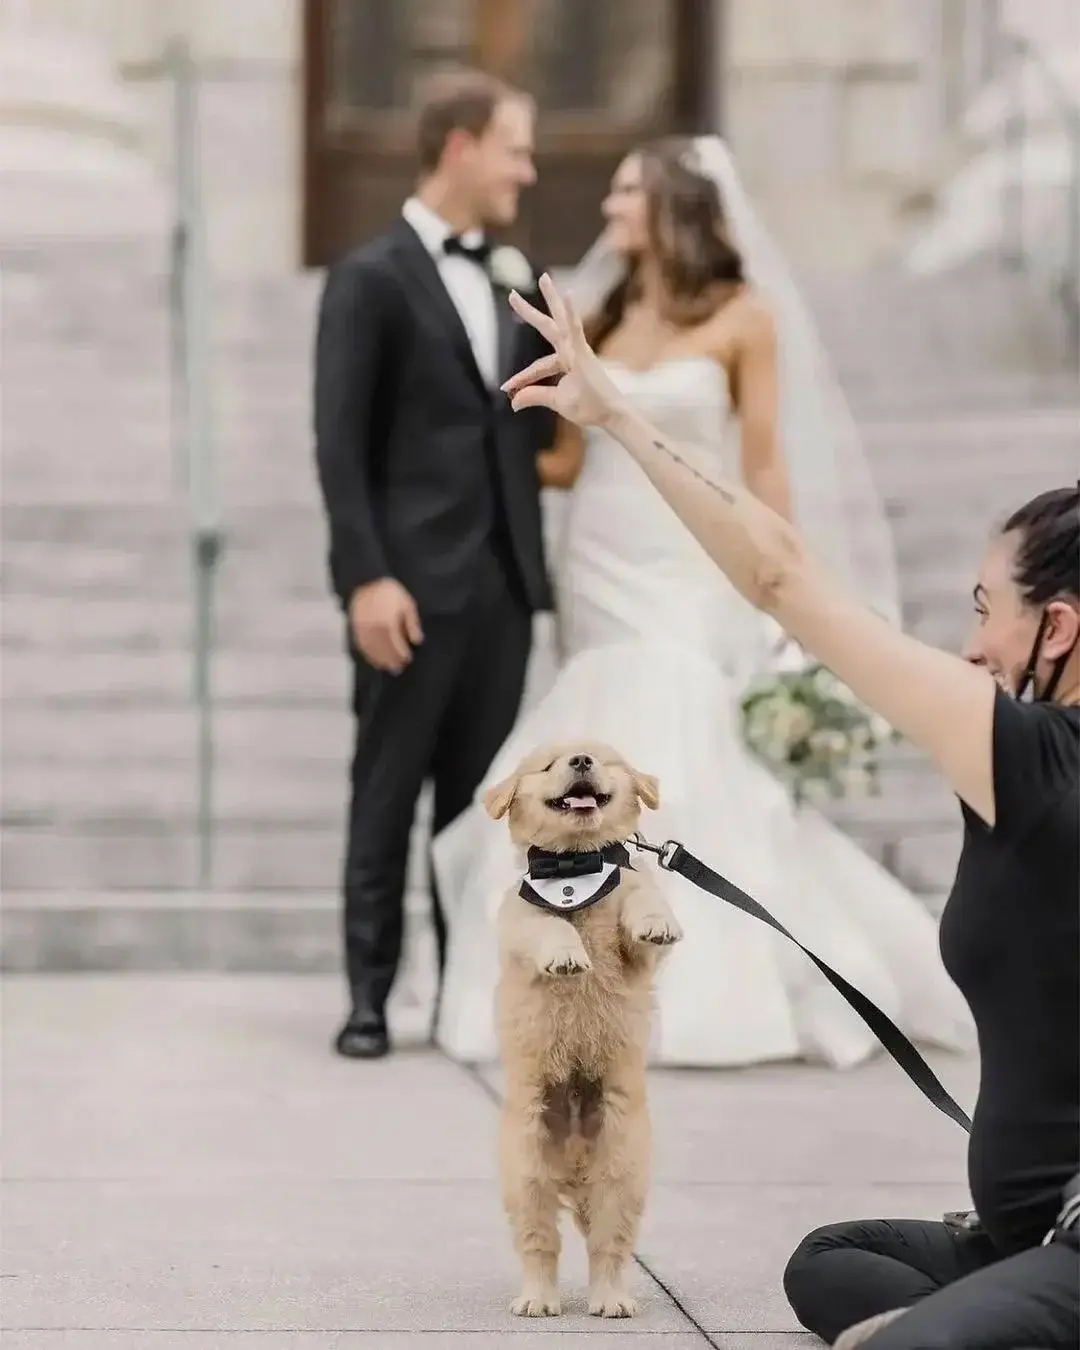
(581, 799)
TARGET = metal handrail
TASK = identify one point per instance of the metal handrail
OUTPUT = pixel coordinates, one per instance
(194, 430)
(1020, 56)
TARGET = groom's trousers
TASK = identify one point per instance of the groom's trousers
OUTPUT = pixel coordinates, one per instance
(442, 719)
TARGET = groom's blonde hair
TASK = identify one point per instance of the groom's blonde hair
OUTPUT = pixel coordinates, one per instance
(458, 100)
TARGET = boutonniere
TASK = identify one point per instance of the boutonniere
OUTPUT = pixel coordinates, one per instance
(509, 268)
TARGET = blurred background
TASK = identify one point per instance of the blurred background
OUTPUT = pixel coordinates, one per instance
(173, 176)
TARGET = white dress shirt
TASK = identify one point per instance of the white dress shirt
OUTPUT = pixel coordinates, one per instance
(467, 284)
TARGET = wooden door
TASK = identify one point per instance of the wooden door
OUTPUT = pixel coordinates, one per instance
(606, 74)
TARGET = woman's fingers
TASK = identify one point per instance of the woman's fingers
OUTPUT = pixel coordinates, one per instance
(543, 369)
(556, 305)
(576, 329)
(544, 325)
(535, 396)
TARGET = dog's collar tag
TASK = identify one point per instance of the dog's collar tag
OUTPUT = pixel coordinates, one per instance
(565, 883)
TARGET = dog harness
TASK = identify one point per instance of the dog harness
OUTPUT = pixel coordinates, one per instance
(566, 883)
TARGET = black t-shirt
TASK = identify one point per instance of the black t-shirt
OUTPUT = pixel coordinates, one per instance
(1010, 938)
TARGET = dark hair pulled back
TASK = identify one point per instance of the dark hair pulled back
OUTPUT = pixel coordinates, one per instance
(1047, 564)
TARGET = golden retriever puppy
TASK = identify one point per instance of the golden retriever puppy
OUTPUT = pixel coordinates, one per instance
(580, 937)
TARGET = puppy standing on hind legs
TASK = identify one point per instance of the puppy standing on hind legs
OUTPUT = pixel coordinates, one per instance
(579, 940)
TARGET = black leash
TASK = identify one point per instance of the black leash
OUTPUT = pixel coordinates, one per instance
(672, 857)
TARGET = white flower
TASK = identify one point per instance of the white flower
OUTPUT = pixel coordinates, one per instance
(509, 268)
(829, 743)
(792, 724)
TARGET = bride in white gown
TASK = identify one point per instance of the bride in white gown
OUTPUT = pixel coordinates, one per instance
(657, 647)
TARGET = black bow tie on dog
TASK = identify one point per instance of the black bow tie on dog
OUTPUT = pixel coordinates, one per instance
(564, 883)
(477, 253)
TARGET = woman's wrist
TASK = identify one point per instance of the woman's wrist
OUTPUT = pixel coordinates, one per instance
(619, 420)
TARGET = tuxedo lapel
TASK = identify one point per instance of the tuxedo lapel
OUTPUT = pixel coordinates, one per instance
(419, 269)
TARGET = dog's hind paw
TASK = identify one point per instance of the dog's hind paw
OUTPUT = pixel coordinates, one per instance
(537, 1303)
(611, 1303)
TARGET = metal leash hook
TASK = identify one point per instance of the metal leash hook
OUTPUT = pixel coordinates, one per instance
(664, 853)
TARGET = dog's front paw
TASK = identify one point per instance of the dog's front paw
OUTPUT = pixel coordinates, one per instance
(609, 1302)
(660, 929)
(537, 1303)
(563, 956)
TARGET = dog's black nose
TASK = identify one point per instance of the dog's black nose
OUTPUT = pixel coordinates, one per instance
(581, 763)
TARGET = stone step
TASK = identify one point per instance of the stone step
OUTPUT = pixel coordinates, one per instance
(250, 931)
(300, 791)
(31, 621)
(892, 335)
(264, 932)
(139, 664)
(37, 531)
(969, 466)
(110, 550)
(162, 853)
(273, 416)
(117, 912)
(282, 837)
(76, 861)
(269, 738)
(119, 616)
(265, 417)
(976, 317)
(153, 679)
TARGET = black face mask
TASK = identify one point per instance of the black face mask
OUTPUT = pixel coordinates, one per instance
(1028, 677)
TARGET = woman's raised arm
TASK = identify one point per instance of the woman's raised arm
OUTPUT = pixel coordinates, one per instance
(939, 702)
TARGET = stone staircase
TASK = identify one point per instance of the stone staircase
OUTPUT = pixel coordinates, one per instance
(968, 406)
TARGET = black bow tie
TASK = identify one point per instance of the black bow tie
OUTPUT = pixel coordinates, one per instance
(477, 253)
(547, 866)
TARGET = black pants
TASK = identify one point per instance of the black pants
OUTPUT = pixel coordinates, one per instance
(961, 1295)
(443, 718)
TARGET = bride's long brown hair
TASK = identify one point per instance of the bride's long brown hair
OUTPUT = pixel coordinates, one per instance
(688, 236)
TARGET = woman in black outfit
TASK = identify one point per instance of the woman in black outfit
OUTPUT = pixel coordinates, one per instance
(1010, 938)
(1010, 934)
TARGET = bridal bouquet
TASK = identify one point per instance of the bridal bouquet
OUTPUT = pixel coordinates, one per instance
(811, 731)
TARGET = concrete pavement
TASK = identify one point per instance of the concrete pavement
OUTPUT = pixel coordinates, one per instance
(187, 1167)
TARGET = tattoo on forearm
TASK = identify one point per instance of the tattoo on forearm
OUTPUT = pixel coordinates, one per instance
(728, 497)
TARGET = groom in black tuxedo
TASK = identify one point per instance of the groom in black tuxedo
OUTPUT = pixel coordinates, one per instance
(433, 503)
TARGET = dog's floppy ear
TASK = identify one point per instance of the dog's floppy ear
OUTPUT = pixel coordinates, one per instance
(647, 787)
(497, 799)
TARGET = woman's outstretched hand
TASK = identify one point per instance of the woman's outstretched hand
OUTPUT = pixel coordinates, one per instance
(585, 394)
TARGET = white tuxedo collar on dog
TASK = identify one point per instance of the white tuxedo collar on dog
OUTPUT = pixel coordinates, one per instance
(565, 883)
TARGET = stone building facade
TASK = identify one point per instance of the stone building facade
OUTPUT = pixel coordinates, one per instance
(841, 112)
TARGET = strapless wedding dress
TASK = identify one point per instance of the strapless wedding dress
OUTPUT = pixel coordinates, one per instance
(656, 648)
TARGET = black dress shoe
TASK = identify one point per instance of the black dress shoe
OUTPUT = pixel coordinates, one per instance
(364, 1036)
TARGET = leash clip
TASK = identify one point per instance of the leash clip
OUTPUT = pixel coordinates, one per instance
(664, 853)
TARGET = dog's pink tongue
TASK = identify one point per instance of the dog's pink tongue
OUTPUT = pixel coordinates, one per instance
(581, 803)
